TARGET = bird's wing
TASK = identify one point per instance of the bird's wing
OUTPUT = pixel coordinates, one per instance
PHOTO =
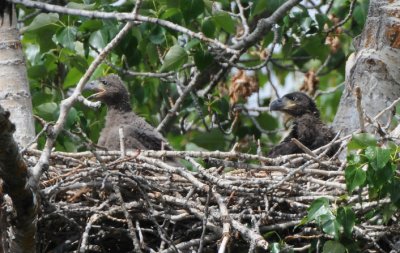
(284, 148)
(145, 134)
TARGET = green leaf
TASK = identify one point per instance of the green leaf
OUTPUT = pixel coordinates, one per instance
(274, 247)
(37, 71)
(157, 35)
(318, 207)
(151, 52)
(48, 111)
(330, 225)
(67, 37)
(78, 61)
(90, 25)
(355, 176)
(210, 140)
(202, 59)
(71, 118)
(394, 191)
(315, 47)
(346, 218)
(72, 78)
(272, 5)
(220, 105)
(388, 212)
(322, 19)
(225, 21)
(191, 44)
(361, 12)
(170, 12)
(32, 53)
(191, 8)
(260, 6)
(378, 157)
(208, 27)
(98, 39)
(175, 58)
(333, 247)
(361, 141)
(41, 20)
(267, 122)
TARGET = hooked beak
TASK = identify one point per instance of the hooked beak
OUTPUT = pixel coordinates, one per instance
(95, 86)
(281, 104)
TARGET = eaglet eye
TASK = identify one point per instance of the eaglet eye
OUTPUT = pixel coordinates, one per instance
(105, 83)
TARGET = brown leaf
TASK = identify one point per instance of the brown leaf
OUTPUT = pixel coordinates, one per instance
(242, 86)
(333, 42)
(310, 83)
(75, 195)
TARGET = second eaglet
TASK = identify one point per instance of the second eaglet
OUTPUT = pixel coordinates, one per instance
(307, 126)
(138, 134)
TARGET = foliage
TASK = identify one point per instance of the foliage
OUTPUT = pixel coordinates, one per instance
(371, 166)
(59, 49)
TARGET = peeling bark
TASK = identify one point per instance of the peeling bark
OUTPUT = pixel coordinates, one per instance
(375, 67)
(14, 88)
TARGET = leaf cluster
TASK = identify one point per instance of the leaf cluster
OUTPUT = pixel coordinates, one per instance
(372, 174)
(59, 49)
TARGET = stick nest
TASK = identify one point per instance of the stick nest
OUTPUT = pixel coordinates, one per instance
(207, 201)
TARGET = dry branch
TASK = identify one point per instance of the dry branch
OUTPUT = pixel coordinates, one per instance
(172, 209)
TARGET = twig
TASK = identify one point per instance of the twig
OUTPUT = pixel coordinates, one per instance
(85, 235)
(266, 60)
(88, 103)
(226, 221)
(304, 148)
(265, 24)
(329, 91)
(178, 102)
(333, 28)
(203, 232)
(243, 19)
(128, 218)
(122, 141)
(389, 108)
(358, 95)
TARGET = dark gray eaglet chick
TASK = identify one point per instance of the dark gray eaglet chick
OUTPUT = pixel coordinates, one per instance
(138, 134)
(307, 126)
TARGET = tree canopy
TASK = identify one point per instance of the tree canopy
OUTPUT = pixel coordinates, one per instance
(159, 57)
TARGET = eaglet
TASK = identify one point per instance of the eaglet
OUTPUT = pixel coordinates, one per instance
(307, 126)
(138, 134)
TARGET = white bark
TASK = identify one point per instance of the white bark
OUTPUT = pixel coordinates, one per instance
(375, 67)
(14, 88)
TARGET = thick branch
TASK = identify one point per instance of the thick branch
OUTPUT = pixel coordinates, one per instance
(265, 24)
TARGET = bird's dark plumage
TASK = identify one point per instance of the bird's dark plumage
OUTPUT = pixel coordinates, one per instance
(5, 7)
(137, 132)
(307, 126)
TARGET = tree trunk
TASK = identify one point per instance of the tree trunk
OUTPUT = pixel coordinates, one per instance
(18, 215)
(19, 229)
(374, 67)
(14, 88)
